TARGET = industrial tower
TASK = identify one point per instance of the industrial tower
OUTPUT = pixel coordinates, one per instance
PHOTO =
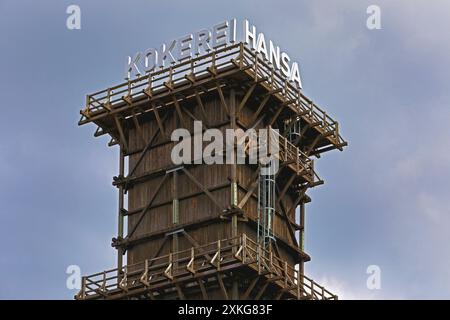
(221, 231)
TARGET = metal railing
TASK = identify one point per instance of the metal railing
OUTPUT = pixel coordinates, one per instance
(277, 82)
(291, 278)
(210, 65)
(161, 80)
(220, 255)
(288, 152)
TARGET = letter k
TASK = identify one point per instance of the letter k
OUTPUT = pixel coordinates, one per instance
(132, 64)
(166, 52)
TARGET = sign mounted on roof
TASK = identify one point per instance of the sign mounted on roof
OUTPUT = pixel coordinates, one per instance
(207, 40)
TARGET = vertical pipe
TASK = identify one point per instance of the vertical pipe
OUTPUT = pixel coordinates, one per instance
(302, 226)
(302, 239)
(175, 213)
(121, 209)
(233, 168)
(83, 287)
(233, 173)
(175, 202)
(234, 191)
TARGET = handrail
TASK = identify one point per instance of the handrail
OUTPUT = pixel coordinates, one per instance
(198, 259)
(238, 56)
(289, 152)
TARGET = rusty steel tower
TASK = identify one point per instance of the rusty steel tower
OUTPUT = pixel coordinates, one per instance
(220, 231)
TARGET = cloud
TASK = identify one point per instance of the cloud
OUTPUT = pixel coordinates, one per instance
(346, 291)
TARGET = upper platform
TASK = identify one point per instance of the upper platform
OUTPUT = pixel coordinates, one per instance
(234, 65)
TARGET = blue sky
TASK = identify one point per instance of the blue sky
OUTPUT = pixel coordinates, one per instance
(386, 197)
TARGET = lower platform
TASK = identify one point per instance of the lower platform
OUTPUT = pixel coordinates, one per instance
(235, 268)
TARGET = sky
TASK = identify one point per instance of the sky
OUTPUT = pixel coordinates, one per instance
(385, 201)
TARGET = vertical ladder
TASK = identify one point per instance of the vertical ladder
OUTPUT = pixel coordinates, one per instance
(266, 210)
(292, 129)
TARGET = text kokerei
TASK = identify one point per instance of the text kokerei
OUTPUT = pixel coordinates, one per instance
(207, 40)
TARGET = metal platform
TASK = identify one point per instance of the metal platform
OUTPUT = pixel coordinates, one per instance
(190, 79)
(192, 270)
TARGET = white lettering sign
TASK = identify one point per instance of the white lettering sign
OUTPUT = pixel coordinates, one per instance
(206, 40)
